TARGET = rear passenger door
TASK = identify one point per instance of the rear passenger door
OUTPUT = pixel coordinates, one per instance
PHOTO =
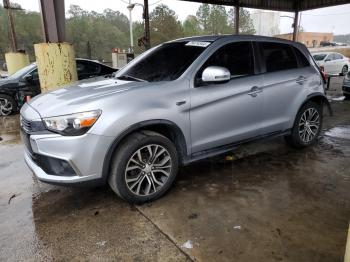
(286, 73)
(223, 113)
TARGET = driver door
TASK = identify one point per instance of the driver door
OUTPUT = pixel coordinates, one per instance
(229, 112)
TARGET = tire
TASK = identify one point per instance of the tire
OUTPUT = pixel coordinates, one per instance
(8, 105)
(347, 96)
(144, 177)
(301, 136)
(344, 70)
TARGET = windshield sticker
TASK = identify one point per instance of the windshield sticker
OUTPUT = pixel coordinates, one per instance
(198, 43)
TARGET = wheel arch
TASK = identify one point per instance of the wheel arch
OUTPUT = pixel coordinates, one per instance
(164, 127)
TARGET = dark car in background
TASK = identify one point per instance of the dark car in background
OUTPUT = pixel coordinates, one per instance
(346, 86)
(25, 82)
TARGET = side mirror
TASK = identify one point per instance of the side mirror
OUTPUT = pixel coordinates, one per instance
(216, 74)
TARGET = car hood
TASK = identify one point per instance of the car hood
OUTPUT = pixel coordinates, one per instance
(4, 81)
(82, 96)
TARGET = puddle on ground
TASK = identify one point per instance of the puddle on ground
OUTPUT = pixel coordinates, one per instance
(338, 98)
(342, 132)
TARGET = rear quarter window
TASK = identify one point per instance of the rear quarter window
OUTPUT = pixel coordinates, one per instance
(278, 56)
(303, 61)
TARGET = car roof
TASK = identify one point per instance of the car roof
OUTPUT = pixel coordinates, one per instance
(213, 38)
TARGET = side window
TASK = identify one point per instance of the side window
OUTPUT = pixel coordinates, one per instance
(338, 56)
(87, 68)
(35, 75)
(330, 57)
(278, 56)
(236, 57)
(303, 62)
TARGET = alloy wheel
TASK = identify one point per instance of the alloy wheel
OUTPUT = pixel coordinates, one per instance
(5, 107)
(148, 170)
(309, 124)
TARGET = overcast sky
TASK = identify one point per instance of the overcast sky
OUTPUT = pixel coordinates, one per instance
(333, 19)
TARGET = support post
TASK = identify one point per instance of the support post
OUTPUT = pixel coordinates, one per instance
(147, 31)
(237, 19)
(7, 6)
(15, 60)
(55, 58)
(295, 25)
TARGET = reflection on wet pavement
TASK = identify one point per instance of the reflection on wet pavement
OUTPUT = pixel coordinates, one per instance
(265, 202)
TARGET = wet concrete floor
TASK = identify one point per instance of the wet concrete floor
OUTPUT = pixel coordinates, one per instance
(265, 202)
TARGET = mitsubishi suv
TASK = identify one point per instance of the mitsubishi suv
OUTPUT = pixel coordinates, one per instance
(178, 102)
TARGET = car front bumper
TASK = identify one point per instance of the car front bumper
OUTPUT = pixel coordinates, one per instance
(66, 160)
(346, 88)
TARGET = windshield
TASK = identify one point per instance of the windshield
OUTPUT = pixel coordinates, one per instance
(22, 71)
(319, 57)
(166, 62)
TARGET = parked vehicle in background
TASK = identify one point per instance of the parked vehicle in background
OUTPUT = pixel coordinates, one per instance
(163, 110)
(25, 82)
(346, 86)
(327, 43)
(332, 62)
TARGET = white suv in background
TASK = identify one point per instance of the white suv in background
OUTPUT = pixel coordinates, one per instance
(332, 62)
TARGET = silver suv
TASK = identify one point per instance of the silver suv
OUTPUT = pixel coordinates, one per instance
(179, 102)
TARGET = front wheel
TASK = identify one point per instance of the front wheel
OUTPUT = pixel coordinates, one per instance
(307, 126)
(7, 105)
(144, 167)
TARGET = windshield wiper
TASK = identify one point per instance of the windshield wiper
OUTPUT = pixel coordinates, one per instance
(128, 77)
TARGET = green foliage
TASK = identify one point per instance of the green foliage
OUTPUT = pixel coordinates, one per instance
(245, 22)
(191, 26)
(164, 25)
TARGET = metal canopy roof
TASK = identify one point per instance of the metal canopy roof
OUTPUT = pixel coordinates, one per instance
(277, 5)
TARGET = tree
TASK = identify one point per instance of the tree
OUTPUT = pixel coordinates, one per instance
(245, 22)
(191, 26)
(203, 14)
(164, 25)
(218, 23)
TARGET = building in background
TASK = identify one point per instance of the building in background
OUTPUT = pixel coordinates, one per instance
(266, 23)
(310, 39)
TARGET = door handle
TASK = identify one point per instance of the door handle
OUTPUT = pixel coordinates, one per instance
(300, 80)
(254, 91)
(179, 103)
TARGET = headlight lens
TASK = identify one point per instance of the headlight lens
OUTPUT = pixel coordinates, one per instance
(347, 76)
(74, 124)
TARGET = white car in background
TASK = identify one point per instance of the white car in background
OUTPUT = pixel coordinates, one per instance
(332, 63)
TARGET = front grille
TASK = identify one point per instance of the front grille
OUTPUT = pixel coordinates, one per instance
(32, 126)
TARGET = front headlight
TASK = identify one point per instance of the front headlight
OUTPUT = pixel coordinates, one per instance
(347, 76)
(72, 125)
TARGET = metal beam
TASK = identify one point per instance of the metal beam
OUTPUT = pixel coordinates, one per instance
(295, 25)
(237, 19)
(11, 27)
(147, 31)
(53, 20)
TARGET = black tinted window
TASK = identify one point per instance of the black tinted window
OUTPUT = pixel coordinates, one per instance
(236, 57)
(303, 62)
(165, 63)
(87, 68)
(278, 57)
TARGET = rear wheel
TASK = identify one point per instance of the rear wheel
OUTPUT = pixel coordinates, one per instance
(344, 70)
(144, 167)
(7, 105)
(347, 96)
(307, 126)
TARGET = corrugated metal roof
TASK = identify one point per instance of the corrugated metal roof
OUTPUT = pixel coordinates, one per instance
(277, 5)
